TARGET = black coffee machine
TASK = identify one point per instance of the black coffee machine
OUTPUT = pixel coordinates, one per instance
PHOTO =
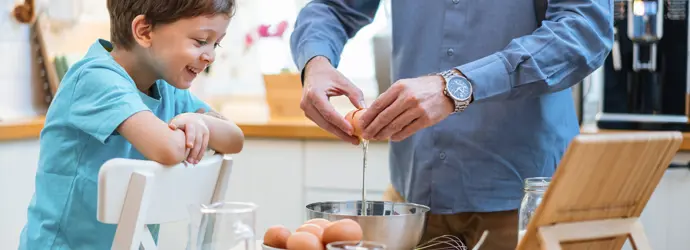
(645, 78)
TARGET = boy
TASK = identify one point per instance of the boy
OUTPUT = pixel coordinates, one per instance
(126, 99)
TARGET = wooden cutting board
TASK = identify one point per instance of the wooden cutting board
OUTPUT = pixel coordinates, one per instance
(602, 177)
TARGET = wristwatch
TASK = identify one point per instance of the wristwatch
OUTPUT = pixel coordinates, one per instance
(458, 89)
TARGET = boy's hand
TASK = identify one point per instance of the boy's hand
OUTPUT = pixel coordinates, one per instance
(196, 132)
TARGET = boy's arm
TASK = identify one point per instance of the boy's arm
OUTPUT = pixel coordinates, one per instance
(226, 137)
(105, 102)
(154, 139)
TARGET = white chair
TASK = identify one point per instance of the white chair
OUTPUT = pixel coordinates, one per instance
(136, 193)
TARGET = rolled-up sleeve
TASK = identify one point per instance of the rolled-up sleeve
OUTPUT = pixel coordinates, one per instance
(572, 42)
(323, 27)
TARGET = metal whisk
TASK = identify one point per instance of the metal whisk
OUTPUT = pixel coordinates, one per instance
(450, 242)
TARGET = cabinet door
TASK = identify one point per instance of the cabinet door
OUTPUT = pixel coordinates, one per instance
(337, 165)
(269, 173)
(665, 218)
(18, 163)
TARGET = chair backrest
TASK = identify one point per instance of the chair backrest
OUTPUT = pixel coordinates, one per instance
(174, 187)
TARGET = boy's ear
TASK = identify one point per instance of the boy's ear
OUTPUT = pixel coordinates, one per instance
(141, 31)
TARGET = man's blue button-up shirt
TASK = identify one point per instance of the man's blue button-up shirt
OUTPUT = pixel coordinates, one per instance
(523, 116)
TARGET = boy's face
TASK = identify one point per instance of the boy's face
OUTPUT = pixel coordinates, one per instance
(182, 49)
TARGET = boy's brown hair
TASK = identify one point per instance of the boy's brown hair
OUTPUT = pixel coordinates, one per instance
(123, 12)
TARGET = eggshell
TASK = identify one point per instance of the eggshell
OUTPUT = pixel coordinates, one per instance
(277, 236)
(304, 241)
(353, 117)
(323, 223)
(312, 229)
(342, 230)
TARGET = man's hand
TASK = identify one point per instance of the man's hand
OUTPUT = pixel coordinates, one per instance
(321, 81)
(196, 133)
(406, 107)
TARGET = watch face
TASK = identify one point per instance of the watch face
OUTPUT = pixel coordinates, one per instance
(459, 88)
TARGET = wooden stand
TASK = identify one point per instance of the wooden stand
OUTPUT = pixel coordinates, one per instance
(599, 190)
(552, 236)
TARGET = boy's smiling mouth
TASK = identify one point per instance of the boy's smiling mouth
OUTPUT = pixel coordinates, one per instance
(193, 71)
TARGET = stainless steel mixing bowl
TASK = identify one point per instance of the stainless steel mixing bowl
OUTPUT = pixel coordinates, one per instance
(396, 225)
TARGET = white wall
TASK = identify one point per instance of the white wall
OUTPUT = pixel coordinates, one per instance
(16, 99)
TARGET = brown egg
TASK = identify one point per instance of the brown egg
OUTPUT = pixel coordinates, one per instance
(353, 117)
(323, 223)
(304, 241)
(342, 230)
(277, 236)
(312, 229)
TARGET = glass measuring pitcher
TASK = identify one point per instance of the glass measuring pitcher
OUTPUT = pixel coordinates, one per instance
(534, 189)
(222, 226)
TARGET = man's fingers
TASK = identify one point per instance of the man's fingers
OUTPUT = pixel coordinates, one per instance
(315, 116)
(384, 118)
(353, 93)
(326, 110)
(397, 125)
(172, 126)
(409, 130)
(382, 102)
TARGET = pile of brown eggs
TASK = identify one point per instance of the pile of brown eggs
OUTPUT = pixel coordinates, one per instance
(314, 234)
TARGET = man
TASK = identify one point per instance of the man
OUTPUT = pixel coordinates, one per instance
(481, 98)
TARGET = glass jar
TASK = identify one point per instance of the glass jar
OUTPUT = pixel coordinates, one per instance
(534, 192)
(222, 226)
(355, 245)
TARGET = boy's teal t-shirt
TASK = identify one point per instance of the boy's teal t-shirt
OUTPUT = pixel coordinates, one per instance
(94, 98)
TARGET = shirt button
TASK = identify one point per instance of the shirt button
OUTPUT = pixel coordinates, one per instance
(442, 155)
(456, 1)
(450, 52)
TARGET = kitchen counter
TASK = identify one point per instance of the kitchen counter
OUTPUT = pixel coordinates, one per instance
(21, 129)
(288, 128)
(250, 113)
(298, 128)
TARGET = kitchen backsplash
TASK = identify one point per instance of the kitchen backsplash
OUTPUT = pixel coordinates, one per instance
(237, 71)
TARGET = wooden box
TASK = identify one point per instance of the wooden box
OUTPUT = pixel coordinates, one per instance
(283, 95)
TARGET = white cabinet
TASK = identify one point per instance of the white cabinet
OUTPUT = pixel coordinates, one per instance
(18, 163)
(282, 176)
(270, 174)
(338, 165)
(666, 217)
